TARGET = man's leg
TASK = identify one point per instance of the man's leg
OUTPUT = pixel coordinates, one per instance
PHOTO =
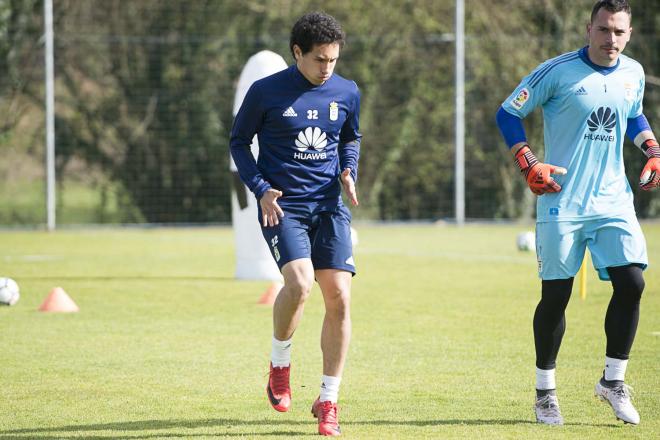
(620, 327)
(288, 308)
(287, 311)
(619, 253)
(335, 337)
(550, 321)
(336, 333)
(622, 313)
(549, 327)
(560, 247)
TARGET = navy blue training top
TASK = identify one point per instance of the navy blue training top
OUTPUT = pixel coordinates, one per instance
(306, 135)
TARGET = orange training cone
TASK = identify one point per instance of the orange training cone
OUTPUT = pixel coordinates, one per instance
(58, 301)
(268, 297)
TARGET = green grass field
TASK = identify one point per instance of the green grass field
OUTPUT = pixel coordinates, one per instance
(168, 345)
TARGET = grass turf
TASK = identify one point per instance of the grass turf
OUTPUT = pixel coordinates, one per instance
(168, 345)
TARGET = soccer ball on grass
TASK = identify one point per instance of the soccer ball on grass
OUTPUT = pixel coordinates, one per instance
(526, 241)
(9, 293)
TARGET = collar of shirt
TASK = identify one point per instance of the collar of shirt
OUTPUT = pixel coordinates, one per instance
(584, 56)
(300, 80)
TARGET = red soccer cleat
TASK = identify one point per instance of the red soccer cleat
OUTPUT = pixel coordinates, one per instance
(278, 389)
(328, 415)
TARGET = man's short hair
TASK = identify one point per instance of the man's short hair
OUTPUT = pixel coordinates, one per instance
(316, 28)
(612, 6)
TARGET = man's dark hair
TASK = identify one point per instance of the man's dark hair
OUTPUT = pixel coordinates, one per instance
(612, 6)
(316, 28)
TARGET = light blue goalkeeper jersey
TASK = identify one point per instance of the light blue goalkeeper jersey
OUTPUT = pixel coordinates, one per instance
(585, 113)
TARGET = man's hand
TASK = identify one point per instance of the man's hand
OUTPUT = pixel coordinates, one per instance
(537, 174)
(650, 177)
(540, 181)
(349, 186)
(270, 210)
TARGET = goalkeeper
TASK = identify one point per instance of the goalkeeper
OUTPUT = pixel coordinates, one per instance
(590, 98)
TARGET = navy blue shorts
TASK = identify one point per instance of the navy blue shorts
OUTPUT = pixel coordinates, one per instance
(312, 231)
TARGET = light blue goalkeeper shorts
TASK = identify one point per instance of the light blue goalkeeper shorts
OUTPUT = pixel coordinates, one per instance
(613, 242)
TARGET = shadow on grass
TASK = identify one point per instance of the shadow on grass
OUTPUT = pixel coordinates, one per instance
(440, 422)
(470, 422)
(150, 425)
(153, 425)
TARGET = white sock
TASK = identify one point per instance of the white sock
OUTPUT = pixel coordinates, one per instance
(280, 354)
(545, 379)
(329, 388)
(615, 369)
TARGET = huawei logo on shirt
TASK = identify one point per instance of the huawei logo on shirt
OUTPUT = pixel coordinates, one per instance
(602, 119)
(311, 138)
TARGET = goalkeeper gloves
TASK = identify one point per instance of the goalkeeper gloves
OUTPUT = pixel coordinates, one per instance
(650, 177)
(537, 174)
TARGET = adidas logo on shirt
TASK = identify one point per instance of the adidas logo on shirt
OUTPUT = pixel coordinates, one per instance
(290, 113)
(581, 91)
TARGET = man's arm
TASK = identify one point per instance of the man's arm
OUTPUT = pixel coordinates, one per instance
(639, 131)
(349, 154)
(537, 174)
(246, 124)
(349, 150)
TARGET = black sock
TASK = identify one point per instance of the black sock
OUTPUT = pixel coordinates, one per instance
(543, 393)
(610, 383)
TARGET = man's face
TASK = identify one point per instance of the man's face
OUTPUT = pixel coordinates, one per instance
(608, 35)
(318, 64)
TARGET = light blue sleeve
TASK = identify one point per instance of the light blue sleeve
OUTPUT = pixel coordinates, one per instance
(637, 107)
(534, 90)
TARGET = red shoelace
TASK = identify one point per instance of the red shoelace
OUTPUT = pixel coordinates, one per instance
(328, 413)
(279, 380)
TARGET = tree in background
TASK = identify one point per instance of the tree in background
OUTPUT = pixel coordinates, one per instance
(144, 94)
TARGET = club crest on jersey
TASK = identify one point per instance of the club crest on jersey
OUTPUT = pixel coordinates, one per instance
(311, 137)
(334, 111)
(520, 100)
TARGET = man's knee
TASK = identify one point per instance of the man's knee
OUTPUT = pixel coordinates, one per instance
(555, 294)
(336, 288)
(337, 301)
(298, 280)
(298, 288)
(627, 281)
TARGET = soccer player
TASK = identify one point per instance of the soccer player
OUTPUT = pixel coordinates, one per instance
(591, 98)
(306, 120)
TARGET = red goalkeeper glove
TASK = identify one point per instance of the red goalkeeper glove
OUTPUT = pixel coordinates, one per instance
(537, 174)
(650, 177)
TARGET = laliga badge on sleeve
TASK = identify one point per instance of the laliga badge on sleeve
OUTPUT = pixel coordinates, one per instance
(334, 111)
(519, 101)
